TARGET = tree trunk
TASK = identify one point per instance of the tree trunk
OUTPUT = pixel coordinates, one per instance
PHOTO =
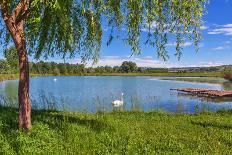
(15, 26)
(24, 117)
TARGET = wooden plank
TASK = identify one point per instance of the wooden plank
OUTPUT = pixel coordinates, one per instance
(207, 92)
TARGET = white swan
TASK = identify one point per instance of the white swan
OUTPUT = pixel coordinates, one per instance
(55, 79)
(118, 103)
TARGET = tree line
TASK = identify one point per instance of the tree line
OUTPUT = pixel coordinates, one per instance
(54, 68)
(9, 65)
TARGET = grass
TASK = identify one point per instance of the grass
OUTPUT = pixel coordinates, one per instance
(168, 74)
(8, 77)
(214, 80)
(4, 77)
(117, 133)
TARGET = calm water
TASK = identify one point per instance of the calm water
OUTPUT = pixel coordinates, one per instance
(95, 93)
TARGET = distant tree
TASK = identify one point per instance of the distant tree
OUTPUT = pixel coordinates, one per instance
(128, 66)
(12, 57)
(227, 73)
(56, 71)
(116, 69)
(62, 68)
(4, 67)
(81, 68)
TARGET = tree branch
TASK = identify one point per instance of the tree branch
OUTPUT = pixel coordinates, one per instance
(4, 10)
(25, 13)
(23, 16)
(18, 9)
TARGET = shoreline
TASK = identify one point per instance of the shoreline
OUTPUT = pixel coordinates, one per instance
(4, 77)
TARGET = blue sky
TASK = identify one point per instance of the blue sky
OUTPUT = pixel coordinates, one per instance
(215, 48)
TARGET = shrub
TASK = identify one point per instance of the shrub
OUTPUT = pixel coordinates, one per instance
(227, 73)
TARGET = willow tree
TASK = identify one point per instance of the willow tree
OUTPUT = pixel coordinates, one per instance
(74, 27)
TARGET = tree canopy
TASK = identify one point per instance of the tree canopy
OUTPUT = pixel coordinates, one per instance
(128, 66)
(11, 57)
(69, 27)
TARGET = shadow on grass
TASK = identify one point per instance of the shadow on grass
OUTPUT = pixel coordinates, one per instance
(55, 120)
(212, 124)
(8, 118)
(59, 121)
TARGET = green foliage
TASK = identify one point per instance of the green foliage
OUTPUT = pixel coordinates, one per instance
(227, 73)
(128, 66)
(4, 67)
(117, 133)
(74, 27)
(128, 69)
(11, 57)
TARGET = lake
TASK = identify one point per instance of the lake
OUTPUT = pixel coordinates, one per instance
(96, 93)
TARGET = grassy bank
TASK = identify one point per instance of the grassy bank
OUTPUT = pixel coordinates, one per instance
(213, 80)
(203, 74)
(117, 133)
(4, 77)
(8, 77)
(168, 74)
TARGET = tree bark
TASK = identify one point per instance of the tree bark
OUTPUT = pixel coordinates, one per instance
(24, 117)
(15, 26)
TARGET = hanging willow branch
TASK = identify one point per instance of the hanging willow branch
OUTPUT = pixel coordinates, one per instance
(70, 27)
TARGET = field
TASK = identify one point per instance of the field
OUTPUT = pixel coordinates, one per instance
(117, 133)
(168, 74)
(214, 80)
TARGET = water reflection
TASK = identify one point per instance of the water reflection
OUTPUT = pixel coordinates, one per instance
(205, 99)
(11, 90)
(227, 85)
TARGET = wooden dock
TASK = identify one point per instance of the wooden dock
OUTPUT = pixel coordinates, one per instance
(206, 92)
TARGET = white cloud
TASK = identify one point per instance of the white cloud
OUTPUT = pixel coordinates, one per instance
(110, 57)
(208, 64)
(219, 48)
(203, 27)
(182, 45)
(147, 61)
(221, 29)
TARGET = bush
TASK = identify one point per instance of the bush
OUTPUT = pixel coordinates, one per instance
(128, 67)
(228, 73)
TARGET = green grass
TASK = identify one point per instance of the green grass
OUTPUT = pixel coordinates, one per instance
(117, 133)
(169, 74)
(8, 77)
(214, 80)
(4, 77)
(203, 74)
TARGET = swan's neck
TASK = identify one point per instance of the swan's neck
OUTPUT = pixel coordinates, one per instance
(122, 98)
